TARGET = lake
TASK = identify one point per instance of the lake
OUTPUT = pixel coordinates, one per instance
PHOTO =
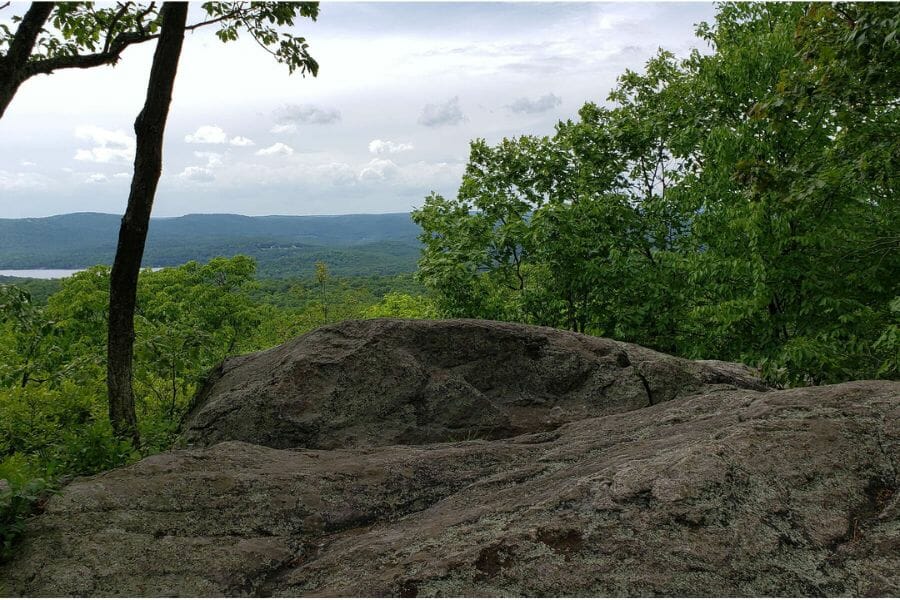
(39, 273)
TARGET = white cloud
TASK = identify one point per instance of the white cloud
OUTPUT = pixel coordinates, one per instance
(207, 134)
(276, 148)
(22, 182)
(334, 173)
(388, 147)
(203, 174)
(276, 129)
(538, 105)
(197, 174)
(28, 163)
(104, 137)
(426, 174)
(122, 175)
(448, 113)
(96, 178)
(213, 159)
(378, 169)
(108, 145)
(101, 154)
(240, 140)
(289, 116)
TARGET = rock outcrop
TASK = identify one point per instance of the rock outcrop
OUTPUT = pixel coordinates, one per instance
(712, 488)
(390, 381)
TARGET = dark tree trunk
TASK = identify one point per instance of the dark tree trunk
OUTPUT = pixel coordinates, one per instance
(12, 65)
(148, 127)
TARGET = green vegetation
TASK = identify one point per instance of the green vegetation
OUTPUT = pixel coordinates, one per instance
(39, 290)
(738, 205)
(53, 406)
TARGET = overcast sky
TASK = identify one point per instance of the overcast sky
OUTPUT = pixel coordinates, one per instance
(401, 91)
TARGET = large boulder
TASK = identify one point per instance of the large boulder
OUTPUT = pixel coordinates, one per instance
(721, 493)
(390, 381)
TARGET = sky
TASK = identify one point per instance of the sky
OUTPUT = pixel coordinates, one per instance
(402, 89)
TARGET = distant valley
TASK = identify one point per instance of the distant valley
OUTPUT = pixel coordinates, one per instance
(283, 246)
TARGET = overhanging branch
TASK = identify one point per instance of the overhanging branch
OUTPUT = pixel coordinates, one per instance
(85, 61)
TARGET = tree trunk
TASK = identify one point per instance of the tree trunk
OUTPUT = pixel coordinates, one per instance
(148, 127)
(12, 65)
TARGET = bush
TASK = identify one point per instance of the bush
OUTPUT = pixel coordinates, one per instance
(21, 495)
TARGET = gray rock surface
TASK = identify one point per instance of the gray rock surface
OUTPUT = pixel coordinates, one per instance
(721, 490)
(392, 381)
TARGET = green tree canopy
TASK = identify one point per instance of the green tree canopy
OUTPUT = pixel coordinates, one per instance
(736, 204)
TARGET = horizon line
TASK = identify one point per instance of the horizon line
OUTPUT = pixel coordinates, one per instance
(211, 214)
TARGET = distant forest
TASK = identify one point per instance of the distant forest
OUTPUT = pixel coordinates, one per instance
(282, 246)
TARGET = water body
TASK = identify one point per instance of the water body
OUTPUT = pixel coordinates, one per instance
(39, 273)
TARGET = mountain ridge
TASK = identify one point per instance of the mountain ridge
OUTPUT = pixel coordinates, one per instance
(357, 244)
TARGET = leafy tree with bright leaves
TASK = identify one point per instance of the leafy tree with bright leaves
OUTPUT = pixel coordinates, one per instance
(83, 37)
(188, 319)
(797, 203)
(479, 246)
(403, 306)
(738, 204)
(322, 281)
(27, 352)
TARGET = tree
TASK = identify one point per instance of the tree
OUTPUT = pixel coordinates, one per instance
(739, 204)
(86, 37)
(322, 281)
(78, 35)
(795, 119)
(149, 128)
(187, 320)
(28, 352)
(403, 306)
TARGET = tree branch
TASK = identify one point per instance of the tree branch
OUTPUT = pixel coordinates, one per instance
(218, 19)
(123, 8)
(26, 35)
(86, 61)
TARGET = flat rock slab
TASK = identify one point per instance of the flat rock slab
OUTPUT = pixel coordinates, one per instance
(722, 492)
(392, 381)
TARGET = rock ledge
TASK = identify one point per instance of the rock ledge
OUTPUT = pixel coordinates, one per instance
(707, 485)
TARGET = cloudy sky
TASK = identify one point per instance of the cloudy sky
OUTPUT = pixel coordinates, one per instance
(402, 89)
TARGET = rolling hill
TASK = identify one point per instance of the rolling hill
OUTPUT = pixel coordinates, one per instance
(382, 244)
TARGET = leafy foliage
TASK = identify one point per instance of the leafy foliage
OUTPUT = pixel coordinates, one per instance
(740, 204)
(53, 411)
(18, 500)
(83, 34)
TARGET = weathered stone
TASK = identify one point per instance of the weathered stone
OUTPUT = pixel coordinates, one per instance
(391, 381)
(718, 491)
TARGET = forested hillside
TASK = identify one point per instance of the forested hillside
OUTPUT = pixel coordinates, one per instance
(282, 245)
